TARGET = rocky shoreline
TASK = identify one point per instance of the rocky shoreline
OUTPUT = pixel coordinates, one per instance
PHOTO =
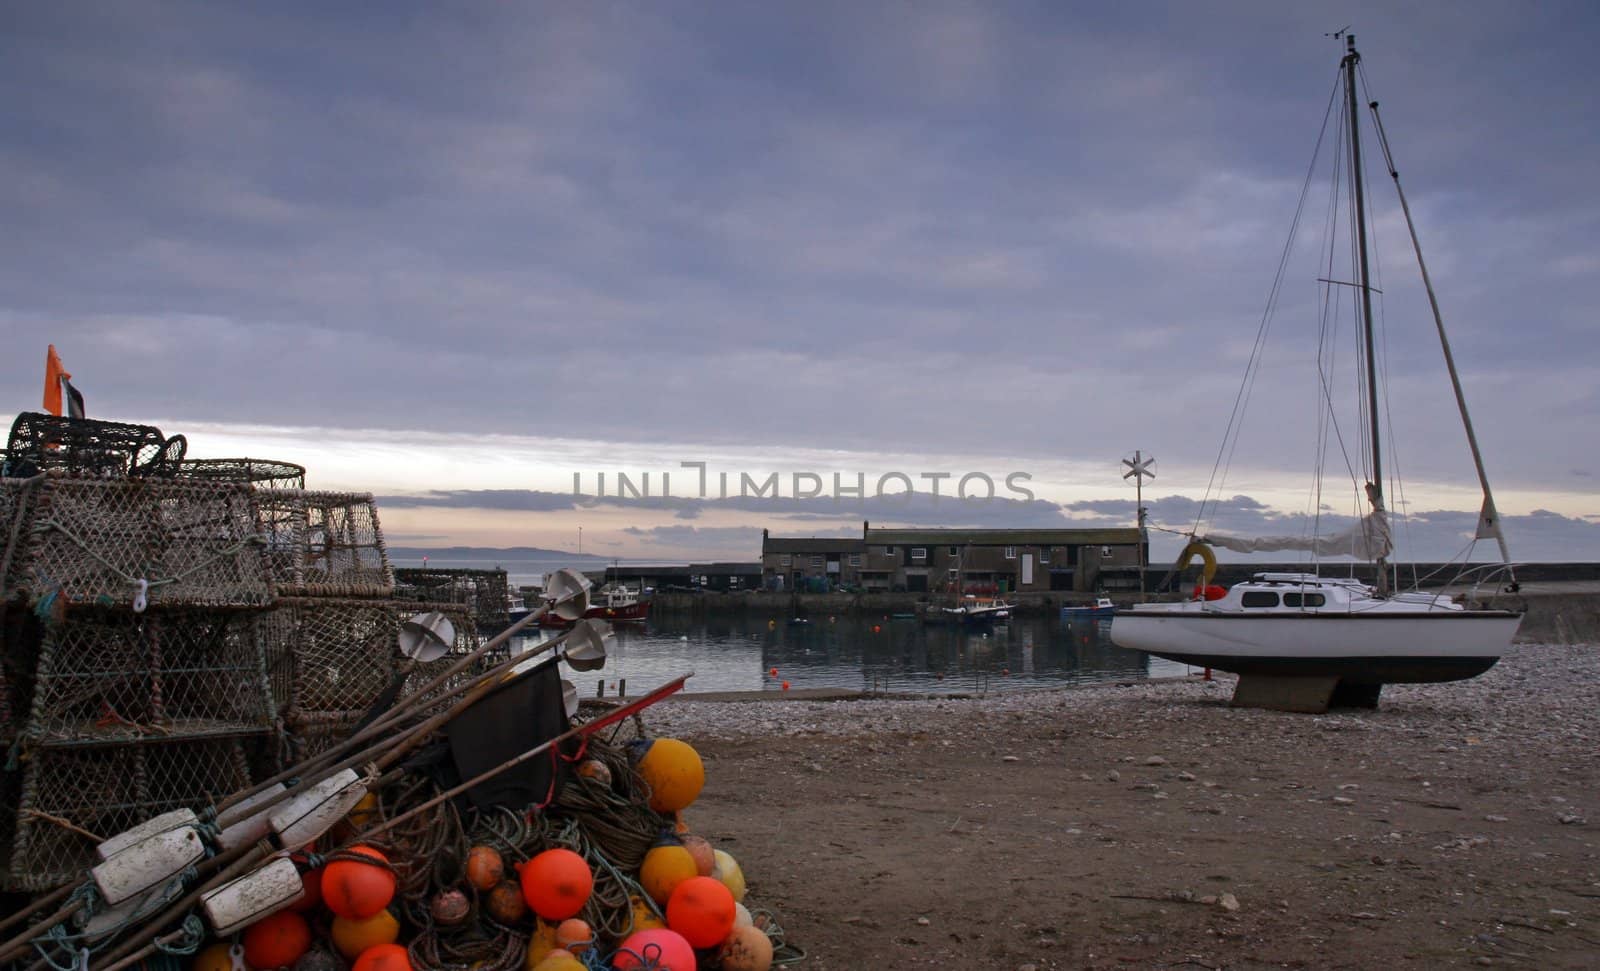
(1150, 824)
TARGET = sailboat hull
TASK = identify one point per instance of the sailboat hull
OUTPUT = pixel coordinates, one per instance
(1387, 647)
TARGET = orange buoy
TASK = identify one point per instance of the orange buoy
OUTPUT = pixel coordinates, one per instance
(574, 935)
(353, 937)
(596, 770)
(357, 890)
(702, 910)
(556, 884)
(746, 949)
(277, 940)
(383, 957)
(773, 672)
(485, 868)
(786, 686)
(664, 949)
(506, 903)
(665, 867)
(674, 772)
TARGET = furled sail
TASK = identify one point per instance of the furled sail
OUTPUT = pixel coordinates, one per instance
(1368, 539)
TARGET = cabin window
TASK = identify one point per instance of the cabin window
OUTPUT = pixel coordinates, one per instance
(1011, 552)
(1259, 598)
(1304, 600)
(919, 553)
(784, 560)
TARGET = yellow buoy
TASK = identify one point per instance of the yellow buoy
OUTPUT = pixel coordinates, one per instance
(665, 867)
(352, 937)
(674, 772)
(542, 943)
(559, 960)
(642, 917)
(216, 958)
(727, 870)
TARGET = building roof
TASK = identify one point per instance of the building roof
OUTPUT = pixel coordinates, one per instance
(1118, 536)
(726, 567)
(828, 544)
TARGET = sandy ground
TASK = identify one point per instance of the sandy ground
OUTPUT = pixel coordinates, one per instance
(1153, 826)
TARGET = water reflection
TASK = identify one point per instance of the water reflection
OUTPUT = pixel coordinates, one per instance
(884, 653)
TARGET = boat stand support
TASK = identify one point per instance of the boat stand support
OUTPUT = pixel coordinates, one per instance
(1309, 694)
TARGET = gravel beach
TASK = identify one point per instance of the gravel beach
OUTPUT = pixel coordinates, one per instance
(1153, 825)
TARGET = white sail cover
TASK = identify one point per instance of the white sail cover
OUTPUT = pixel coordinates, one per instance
(1368, 539)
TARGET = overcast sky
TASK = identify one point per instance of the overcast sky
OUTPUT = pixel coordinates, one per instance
(435, 249)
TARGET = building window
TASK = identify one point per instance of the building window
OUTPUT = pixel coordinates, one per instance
(888, 551)
(855, 559)
(1105, 552)
(816, 561)
(919, 554)
(1011, 552)
(954, 574)
(954, 551)
(784, 560)
(1044, 554)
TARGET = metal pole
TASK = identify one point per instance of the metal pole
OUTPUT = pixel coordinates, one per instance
(1375, 487)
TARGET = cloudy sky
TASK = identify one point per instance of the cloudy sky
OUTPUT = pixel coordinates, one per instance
(459, 253)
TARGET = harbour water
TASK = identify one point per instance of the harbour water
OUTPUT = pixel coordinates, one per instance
(856, 653)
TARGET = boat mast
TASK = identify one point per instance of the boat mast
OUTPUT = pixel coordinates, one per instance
(1375, 487)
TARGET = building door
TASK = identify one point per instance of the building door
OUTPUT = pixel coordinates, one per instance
(1027, 569)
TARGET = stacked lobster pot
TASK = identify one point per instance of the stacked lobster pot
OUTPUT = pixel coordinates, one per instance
(484, 594)
(133, 674)
(332, 641)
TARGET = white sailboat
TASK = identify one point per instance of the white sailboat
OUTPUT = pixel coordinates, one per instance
(1283, 632)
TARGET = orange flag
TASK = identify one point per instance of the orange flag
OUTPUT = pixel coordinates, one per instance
(53, 373)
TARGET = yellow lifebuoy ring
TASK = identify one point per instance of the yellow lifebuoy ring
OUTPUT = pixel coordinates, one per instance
(1208, 560)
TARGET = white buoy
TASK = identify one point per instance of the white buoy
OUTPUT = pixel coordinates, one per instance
(311, 813)
(159, 824)
(147, 863)
(255, 895)
(241, 827)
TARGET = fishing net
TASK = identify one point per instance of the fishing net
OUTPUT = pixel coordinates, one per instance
(325, 544)
(21, 635)
(73, 797)
(265, 473)
(486, 593)
(41, 442)
(102, 541)
(116, 676)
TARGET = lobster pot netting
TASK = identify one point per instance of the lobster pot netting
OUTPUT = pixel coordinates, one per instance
(116, 676)
(325, 544)
(263, 473)
(69, 793)
(85, 446)
(21, 635)
(89, 541)
(486, 593)
(331, 659)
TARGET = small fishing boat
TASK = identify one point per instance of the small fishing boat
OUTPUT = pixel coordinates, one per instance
(1102, 607)
(615, 603)
(971, 609)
